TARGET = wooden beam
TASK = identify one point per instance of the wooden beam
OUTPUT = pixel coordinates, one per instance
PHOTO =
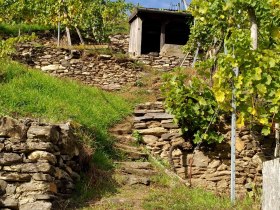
(162, 35)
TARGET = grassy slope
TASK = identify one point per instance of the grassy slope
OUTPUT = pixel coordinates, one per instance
(26, 92)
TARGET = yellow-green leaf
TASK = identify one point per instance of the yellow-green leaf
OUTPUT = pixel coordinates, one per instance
(240, 121)
(220, 96)
(263, 121)
(261, 88)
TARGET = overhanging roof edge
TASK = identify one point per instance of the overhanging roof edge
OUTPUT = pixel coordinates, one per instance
(138, 11)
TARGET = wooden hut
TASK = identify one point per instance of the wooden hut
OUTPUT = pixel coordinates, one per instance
(150, 29)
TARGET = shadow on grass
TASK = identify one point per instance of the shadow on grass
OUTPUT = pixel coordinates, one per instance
(94, 185)
(97, 180)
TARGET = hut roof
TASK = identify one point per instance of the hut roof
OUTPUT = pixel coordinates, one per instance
(158, 14)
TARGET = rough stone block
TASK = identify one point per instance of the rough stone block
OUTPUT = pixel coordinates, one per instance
(157, 131)
(68, 144)
(176, 153)
(38, 205)
(39, 145)
(61, 174)
(37, 186)
(140, 112)
(150, 139)
(11, 189)
(153, 124)
(166, 136)
(214, 164)
(36, 155)
(9, 158)
(158, 116)
(2, 146)
(42, 177)
(240, 145)
(222, 167)
(30, 168)
(140, 125)
(14, 177)
(44, 133)
(3, 186)
(199, 159)
(10, 127)
(9, 202)
(222, 184)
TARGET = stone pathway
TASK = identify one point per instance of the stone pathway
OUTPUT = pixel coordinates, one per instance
(134, 175)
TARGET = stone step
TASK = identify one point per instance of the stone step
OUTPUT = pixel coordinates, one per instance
(123, 128)
(138, 172)
(127, 147)
(137, 168)
(124, 139)
(136, 165)
(132, 153)
(135, 180)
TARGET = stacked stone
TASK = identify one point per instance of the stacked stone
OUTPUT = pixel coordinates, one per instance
(104, 71)
(164, 63)
(159, 132)
(119, 42)
(38, 164)
(209, 165)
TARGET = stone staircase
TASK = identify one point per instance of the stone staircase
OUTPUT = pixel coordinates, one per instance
(135, 169)
(133, 173)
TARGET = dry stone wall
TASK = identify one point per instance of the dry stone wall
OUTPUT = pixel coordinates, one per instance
(208, 166)
(107, 71)
(164, 63)
(104, 70)
(39, 164)
(120, 43)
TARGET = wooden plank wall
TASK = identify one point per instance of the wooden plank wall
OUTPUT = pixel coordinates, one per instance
(135, 39)
(271, 185)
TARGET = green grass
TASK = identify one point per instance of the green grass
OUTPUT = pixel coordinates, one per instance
(180, 197)
(171, 194)
(13, 29)
(26, 92)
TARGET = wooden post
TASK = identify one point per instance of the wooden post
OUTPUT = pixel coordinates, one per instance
(58, 34)
(277, 147)
(139, 27)
(162, 35)
(80, 35)
(68, 36)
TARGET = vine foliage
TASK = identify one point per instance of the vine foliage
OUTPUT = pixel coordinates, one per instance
(194, 106)
(224, 30)
(96, 18)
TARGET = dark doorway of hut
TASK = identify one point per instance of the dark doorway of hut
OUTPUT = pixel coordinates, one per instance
(151, 37)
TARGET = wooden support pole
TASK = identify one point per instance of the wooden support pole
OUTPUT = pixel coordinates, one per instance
(162, 35)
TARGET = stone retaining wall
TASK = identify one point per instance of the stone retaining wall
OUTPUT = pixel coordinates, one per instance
(104, 71)
(160, 62)
(109, 72)
(163, 63)
(208, 166)
(39, 164)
